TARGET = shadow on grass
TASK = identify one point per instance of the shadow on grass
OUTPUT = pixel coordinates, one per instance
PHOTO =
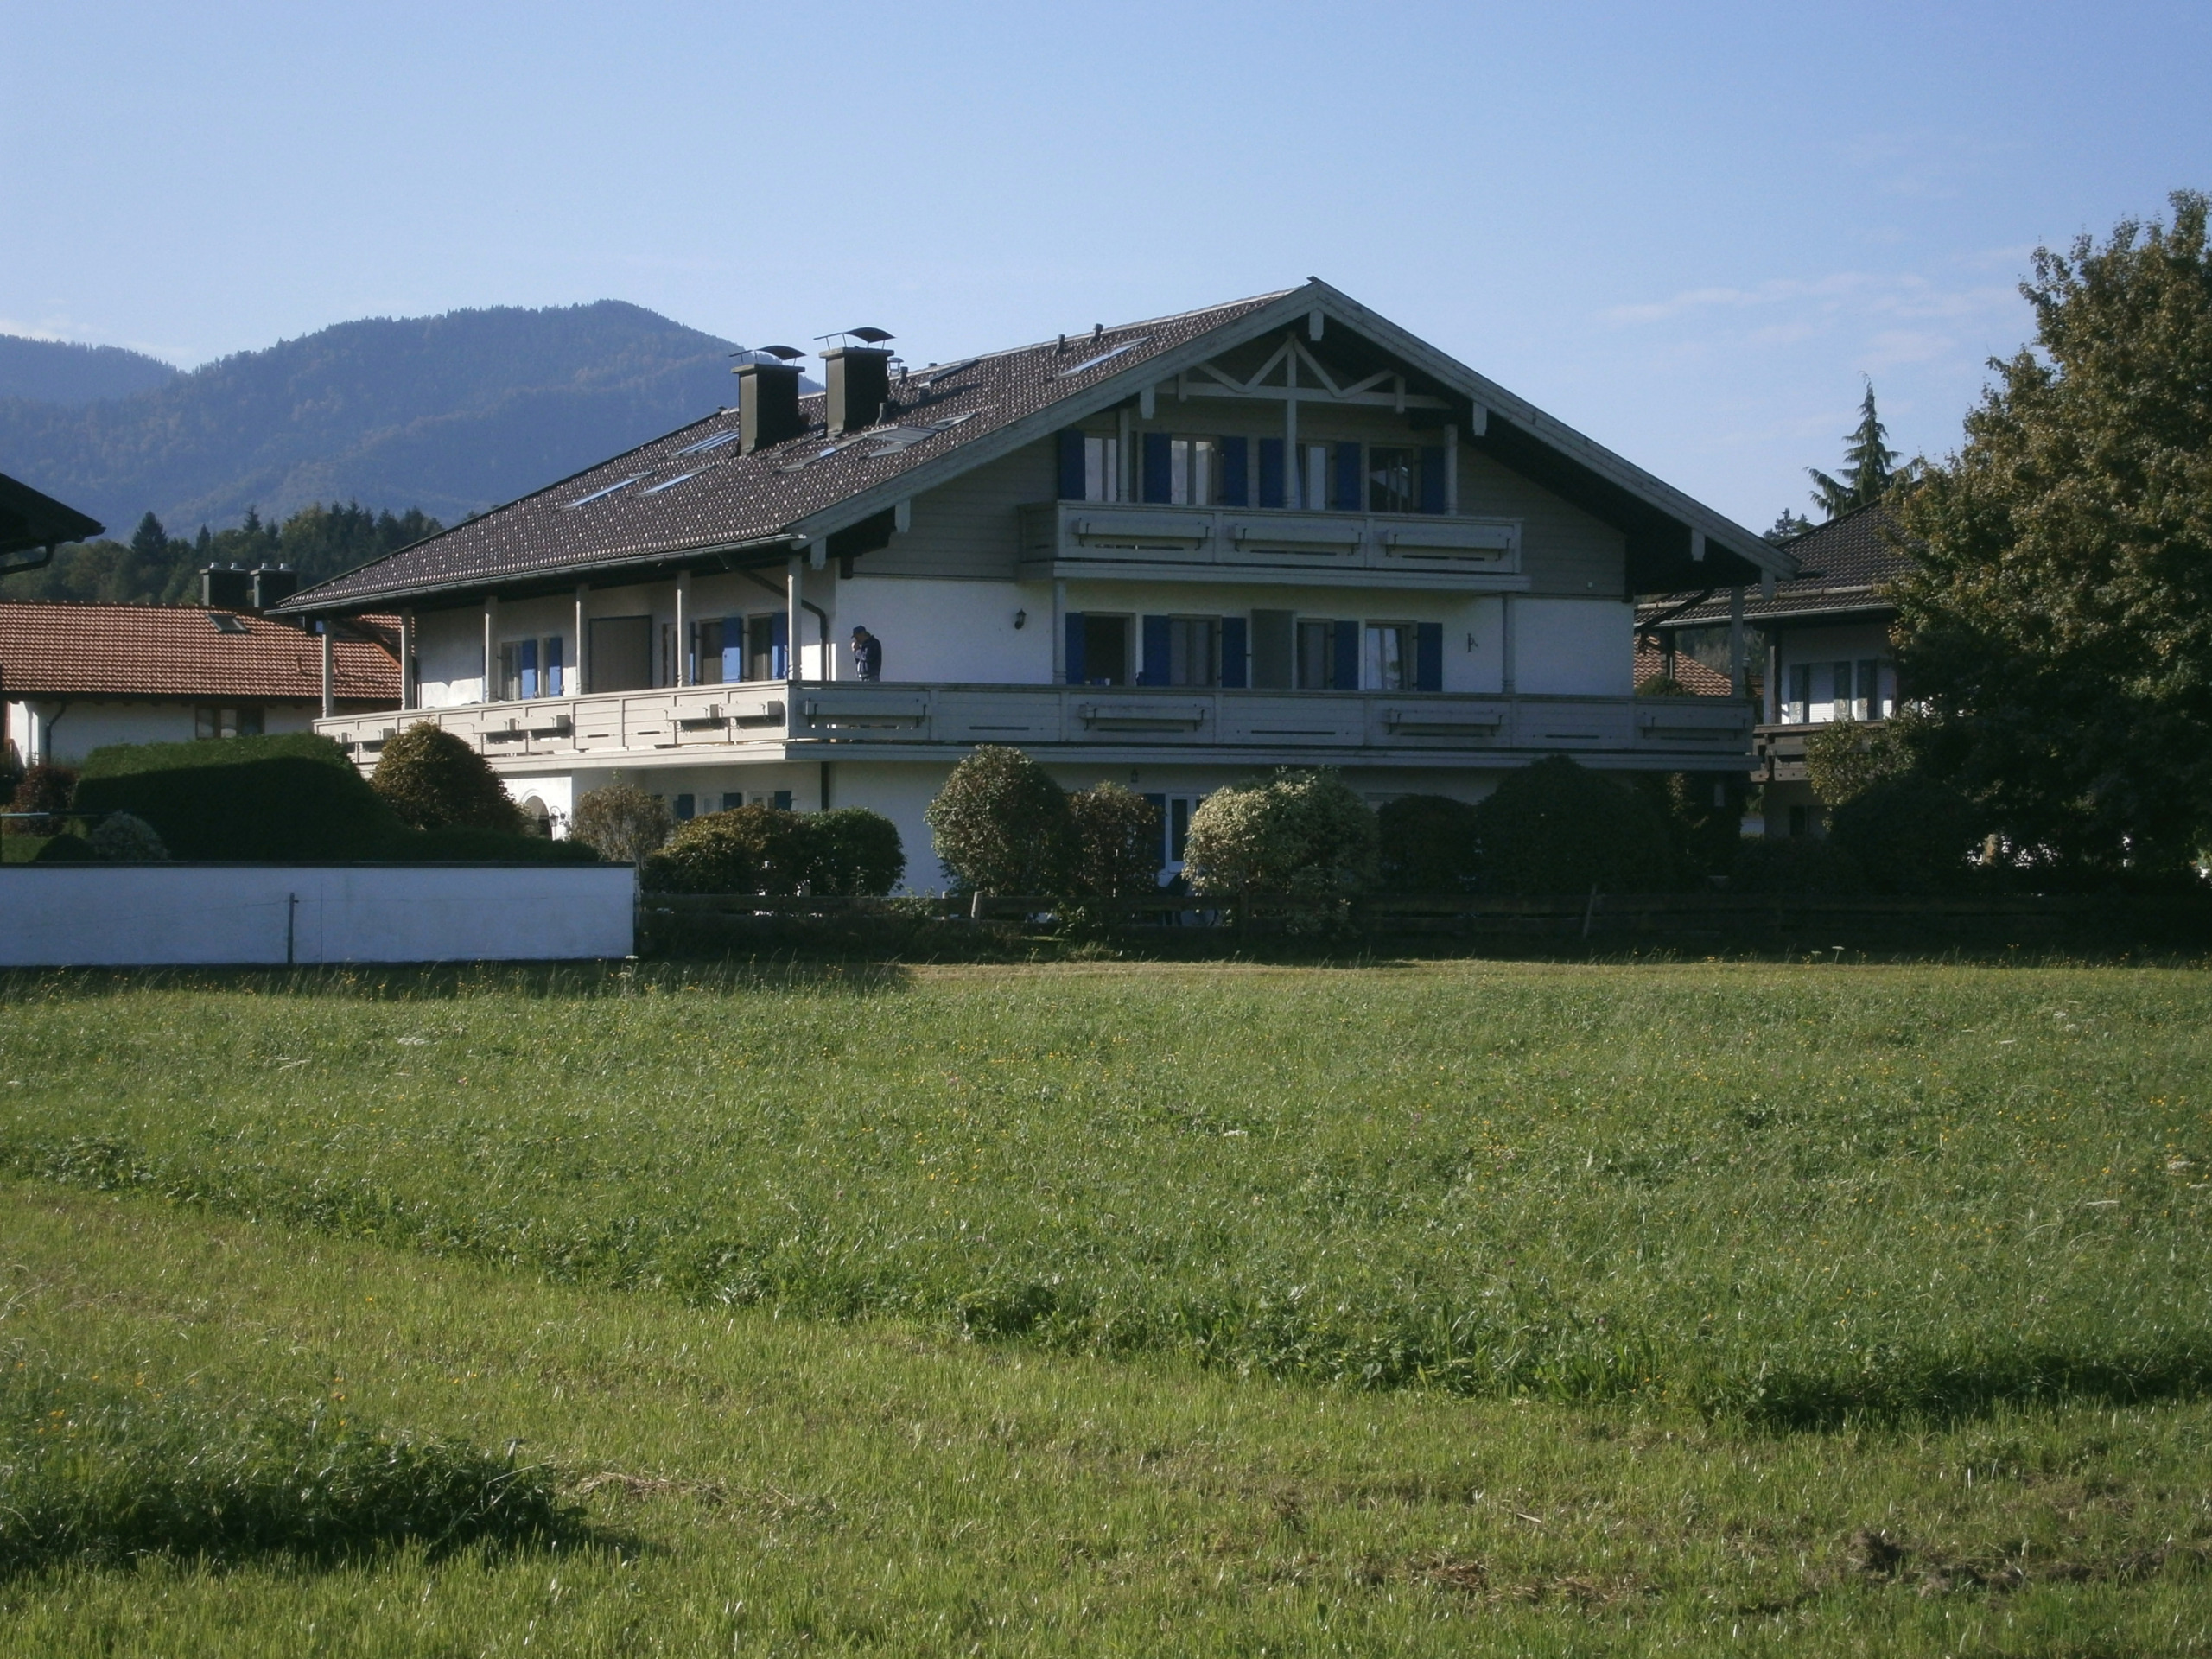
(97, 1475)
(781, 971)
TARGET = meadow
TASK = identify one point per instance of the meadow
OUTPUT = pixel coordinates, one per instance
(1385, 1308)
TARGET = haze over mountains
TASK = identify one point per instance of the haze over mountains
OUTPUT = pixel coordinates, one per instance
(451, 414)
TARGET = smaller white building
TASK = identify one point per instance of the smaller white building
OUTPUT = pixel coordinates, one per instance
(77, 678)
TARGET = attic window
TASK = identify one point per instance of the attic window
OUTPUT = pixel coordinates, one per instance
(585, 500)
(225, 623)
(1105, 356)
(704, 444)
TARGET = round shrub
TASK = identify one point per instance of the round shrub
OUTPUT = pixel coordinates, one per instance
(1001, 824)
(1115, 837)
(761, 850)
(1555, 827)
(1909, 834)
(65, 849)
(433, 779)
(853, 850)
(621, 823)
(1427, 844)
(1301, 833)
(43, 789)
(119, 838)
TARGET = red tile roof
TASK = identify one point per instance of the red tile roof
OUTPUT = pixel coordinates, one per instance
(176, 650)
(1694, 676)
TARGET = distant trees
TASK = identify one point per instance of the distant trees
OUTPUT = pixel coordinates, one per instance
(154, 568)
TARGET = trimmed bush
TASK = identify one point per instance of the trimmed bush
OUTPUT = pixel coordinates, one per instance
(290, 797)
(1909, 834)
(1555, 827)
(1427, 844)
(853, 850)
(1301, 833)
(1115, 837)
(1704, 815)
(121, 839)
(1001, 824)
(622, 822)
(42, 789)
(433, 780)
(65, 849)
(763, 850)
(461, 843)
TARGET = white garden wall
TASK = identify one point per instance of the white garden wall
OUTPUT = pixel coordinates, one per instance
(149, 915)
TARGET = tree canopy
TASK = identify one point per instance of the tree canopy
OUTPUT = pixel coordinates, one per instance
(2056, 622)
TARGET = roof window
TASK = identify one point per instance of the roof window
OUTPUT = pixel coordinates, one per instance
(225, 623)
(667, 483)
(705, 444)
(1105, 356)
(585, 501)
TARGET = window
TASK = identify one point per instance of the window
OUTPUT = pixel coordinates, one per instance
(684, 808)
(1313, 477)
(1174, 822)
(1387, 662)
(1102, 468)
(1317, 657)
(707, 651)
(1193, 464)
(764, 647)
(621, 653)
(1797, 706)
(1193, 650)
(530, 668)
(1393, 481)
(1105, 650)
(226, 722)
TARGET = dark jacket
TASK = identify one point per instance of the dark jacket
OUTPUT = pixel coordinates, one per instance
(868, 658)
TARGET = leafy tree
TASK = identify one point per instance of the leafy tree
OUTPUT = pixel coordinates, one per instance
(1301, 832)
(1115, 837)
(1556, 828)
(1870, 468)
(44, 788)
(1001, 824)
(2055, 623)
(621, 823)
(435, 780)
(150, 542)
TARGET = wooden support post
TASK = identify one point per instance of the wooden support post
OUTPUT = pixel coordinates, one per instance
(1059, 634)
(1451, 467)
(329, 670)
(1739, 676)
(583, 646)
(491, 658)
(792, 576)
(1505, 644)
(411, 689)
(1293, 481)
(683, 635)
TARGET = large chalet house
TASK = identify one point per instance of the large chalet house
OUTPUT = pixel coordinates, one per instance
(1825, 638)
(1172, 554)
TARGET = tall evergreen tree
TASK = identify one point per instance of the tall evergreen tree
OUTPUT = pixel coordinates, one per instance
(150, 542)
(1870, 467)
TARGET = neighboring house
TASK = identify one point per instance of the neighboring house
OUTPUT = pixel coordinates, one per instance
(1282, 532)
(1656, 666)
(1827, 652)
(74, 677)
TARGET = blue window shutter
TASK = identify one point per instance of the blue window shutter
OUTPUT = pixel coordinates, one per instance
(1432, 479)
(1346, 484)
(1345, 674)
(733, 649)
(1235, 476)
(1271, 472)
(686, 808)
(781, 800)
(779, 646)
(1428, 656)
(1077, 674)
(1070, 441)
(1158, 464)
(553, 687)
(1156, 648)
(1233, 674)
(526, 662)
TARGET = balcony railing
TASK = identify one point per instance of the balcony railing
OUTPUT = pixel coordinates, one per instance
(1094, 540)
(702, 724)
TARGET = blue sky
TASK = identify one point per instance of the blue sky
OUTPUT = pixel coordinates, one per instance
(1687, 230)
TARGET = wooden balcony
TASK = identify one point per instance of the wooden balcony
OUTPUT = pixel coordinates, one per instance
(711, 724)
(1095, 541)
(1779, 750)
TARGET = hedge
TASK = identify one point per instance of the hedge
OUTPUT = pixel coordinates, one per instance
(291, 797)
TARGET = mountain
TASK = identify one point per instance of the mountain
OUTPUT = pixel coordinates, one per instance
(53, 372)
(450, 414)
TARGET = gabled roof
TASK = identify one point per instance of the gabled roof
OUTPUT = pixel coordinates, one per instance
(1842, 566)
(29, 520)
(684, 498)
(178, 652)
(1694, 676)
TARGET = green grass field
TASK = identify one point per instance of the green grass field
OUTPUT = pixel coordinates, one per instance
(1422, 1308)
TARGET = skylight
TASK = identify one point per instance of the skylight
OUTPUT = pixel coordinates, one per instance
(1105, 356)
(585, 501)
(667, 483)
(930, 377)
(715, 442)
(225, 623)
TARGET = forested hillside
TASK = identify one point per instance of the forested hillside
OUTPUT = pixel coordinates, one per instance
(55, 372)
(448, 415)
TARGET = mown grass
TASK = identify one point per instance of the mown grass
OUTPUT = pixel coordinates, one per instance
(760, 1485)
(1798, 1196)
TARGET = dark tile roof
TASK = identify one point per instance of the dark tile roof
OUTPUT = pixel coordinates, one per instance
(716, 498)
(29, 520)
(1842, 565)
(1694, 676)
(49, 650)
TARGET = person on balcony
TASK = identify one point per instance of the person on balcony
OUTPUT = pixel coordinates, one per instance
(868, 655)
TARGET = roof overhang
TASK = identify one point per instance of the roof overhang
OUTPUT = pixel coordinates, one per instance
(34, 522)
